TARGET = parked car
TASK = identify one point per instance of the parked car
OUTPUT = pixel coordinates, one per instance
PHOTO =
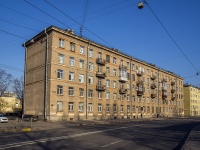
(3, 119)
(29, 118)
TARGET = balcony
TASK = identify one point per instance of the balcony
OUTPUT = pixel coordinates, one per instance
(172, 90)
(100, 74)
(122, 67)
(140, 93)
(122, 91)
(153, 77)
(123, 79)
(101, 61)
(139, 73)
(153, 95)
(173, 98)
(164, 96)
(172, 83)
(153, 86)
(100, 87)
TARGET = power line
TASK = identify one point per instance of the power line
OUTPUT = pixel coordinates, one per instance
(13, 34)
(78, 23)
(11, 68)
(171, 37)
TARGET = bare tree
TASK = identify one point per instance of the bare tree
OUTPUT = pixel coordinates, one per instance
(5, 80)
(18, 88)
(3, 105)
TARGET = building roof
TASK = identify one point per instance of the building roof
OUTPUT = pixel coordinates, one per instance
(70, 32)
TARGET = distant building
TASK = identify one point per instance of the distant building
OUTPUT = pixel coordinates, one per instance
(10, 104)
(69, 77)
(191, 100)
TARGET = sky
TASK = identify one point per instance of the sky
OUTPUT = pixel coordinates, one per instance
(165, 33)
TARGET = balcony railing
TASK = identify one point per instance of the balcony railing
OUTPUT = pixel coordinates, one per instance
(173, 98)
(122, 79)
(100, 87)
(153, 86)
(101, 61)
(140, 93)
(122, 67)
(153, 95)
(139, 73)
(172, 83)
(172, 90)
(100, 74)
(153, 77)
(122, 91)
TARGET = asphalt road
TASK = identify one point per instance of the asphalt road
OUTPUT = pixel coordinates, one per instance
(141, 135)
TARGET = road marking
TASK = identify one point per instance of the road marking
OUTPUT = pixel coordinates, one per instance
(12, 145)
(112, 143)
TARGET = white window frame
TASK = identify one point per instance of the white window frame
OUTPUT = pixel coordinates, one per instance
(99, 107)
(72, 61)
(91, 53)
(100, 94)
(114, 60)
(107, 107)
(81, 78)
(61, 43)
(90, 107)
(81, 106)
(90, 80)
(114, 108)
(59, 89)
(91, 66)
(90, 93)
(60, 58)
(107, 95)
(60, 74)
(114, 96)
(71, 76)
(81, 49)
(59, 106)
(114, 72)
(81, 92)
(81, 65)
(72, 46)
(71, 91)
(71, 106)
(107, 83)
(114, 84)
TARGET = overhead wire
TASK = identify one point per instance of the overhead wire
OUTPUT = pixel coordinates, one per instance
(171, 37)
(78, 23)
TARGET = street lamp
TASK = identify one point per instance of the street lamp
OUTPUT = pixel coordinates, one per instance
(140, 5)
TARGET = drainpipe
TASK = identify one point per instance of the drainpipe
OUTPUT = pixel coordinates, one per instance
(25, 58)
(87, 63)
(46, 77)
(131, 113)
(158, 111)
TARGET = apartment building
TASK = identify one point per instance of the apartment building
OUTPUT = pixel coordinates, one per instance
(192, 100)
(68, 77)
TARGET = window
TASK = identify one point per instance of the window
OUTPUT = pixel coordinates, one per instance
(99, 94)
(132, 67)
(114, 96)
(71, 91)
(81, 92)
(61, 43)
(127, 97)
(90, 107)
(107, 107)
(91, 66)
(61, 58)
(128, 76)
(133, 77)
(71, 106)
(107, 95)
(122, 108)
(99, 55)
(133, 109)
(82, 64)
(108, 58)
(115, 108)
(90, 80)
(90, 53)
(81, 50)
(114, 72)
(107, 83)
(114, 84)
(90, 93)
(72, 61)
(72, 47)
(60, 74)
(107, 71)
(114, 60)
(59, 89)
(128, 65)
(128, 108)
(59, 106)
(81, 78)
(121, 97)
(71, 76)
(99, 107)
(81, 107)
